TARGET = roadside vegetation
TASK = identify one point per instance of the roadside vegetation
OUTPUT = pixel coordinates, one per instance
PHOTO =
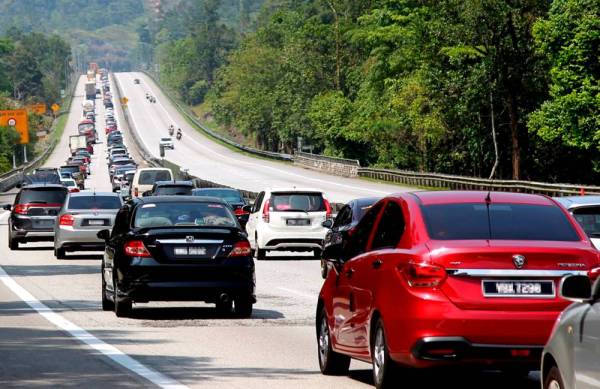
(420, 85)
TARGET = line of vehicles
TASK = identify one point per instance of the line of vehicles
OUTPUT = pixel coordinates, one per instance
(412, 280)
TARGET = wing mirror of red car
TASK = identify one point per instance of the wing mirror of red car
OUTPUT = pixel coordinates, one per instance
(576, 288)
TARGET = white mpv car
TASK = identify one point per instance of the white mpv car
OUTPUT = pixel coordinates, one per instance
(288, 220)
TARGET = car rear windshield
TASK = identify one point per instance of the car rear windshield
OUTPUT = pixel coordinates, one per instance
(43, 196)
(295, 201)
(589, 219)
(149, 177)
(506, 222)
(70, 169)
(229, 195)
(168, 214)
(69, 182)
(94, 202)
(173, 190)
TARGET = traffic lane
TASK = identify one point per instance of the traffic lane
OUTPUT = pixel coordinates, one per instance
(36, 354)
(220, 164)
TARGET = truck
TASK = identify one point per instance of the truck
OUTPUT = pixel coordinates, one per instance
(77, 142)
(90, 90)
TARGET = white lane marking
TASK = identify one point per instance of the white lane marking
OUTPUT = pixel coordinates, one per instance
(82, 335)
(298, 293)
(329, 182)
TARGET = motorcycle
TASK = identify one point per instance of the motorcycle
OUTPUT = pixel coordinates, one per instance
(171, 131)
(179, 135)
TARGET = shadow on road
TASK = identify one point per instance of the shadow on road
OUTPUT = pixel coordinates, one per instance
(195, 313)
(51, 270)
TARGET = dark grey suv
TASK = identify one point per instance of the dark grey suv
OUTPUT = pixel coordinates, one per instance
(33, 214)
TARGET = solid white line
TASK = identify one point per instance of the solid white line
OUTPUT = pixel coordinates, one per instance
(82, 335)
(298, 293)
(288, 173)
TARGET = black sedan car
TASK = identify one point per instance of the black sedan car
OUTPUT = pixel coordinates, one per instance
(177, 248)
(232, 196)
(340, 229)
(171, 188)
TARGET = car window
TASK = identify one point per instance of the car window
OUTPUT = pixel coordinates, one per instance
(344, 217)
(42, 196)
(229, 195)
(589, 219)
(358, 242)
(121, 222)
(155, 215)
(390, 228)
(149, 177)
(94, 202)
(173, 190)
(258, 201)
(506, 222)
(296, 201)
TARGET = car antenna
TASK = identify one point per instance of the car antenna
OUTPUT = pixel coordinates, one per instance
(488, 202)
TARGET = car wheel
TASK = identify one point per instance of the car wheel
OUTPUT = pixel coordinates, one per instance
(317, 254)
(13, 244)
(60, 253)
(324, 268)
(123, 306)
(107, 305)
(224, 308)
(330, 362)
(553, 380)
(243, 307)
(384, 369)
(261, 254)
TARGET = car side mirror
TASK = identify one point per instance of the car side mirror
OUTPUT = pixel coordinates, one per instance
(7, 207)
(103, 234)
(147, 193)
(576, 288)
(247, 208)
(327, 224)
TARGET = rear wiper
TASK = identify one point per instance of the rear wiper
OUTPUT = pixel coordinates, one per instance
(296, 210)
(38, 202)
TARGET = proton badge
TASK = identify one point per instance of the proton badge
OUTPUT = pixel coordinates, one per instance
(519, 261)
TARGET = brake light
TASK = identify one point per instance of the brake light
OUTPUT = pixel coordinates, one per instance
(73, 190)
(239, 212)
(594, 273)
(23, 209)
(136, 192)
(241, 249)
(327, 209)
(265, 215)
(424, 275)
(136, 248)
(66, 220)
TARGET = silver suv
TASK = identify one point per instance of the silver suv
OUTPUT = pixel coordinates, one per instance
(571, 359)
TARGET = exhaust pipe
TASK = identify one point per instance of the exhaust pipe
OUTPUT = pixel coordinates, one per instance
(224, 298)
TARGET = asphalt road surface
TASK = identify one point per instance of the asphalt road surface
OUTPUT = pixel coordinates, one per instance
(53, 332)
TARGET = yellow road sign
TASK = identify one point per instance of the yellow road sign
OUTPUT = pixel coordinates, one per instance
(40, 109)
(55, 107)
(16, 118)
(124, 100)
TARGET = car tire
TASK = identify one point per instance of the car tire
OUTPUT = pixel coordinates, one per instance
(261, 254)
(123, 306)
(330, 362)
(107, 305)
(553, 379)
(13, 244)
(243, 307)
(224, 308)
(317, 254)
(384, 369)
(324, 269)
(60, 253)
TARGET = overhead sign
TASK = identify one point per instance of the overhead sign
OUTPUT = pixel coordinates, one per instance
(124, 100)
(40, 109)
(16, 118)
(55, 107)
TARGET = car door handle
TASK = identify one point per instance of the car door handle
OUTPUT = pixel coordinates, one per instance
(377, 263)
(349, 273)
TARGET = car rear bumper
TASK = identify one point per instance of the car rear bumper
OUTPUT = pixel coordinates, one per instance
(291, 240)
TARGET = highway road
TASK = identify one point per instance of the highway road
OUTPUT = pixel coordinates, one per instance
(53, 332)
(211, 161)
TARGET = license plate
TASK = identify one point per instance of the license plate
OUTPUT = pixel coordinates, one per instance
(195, 251)
(298, 222)
(96, 222)
(510, 288)
(45, 223)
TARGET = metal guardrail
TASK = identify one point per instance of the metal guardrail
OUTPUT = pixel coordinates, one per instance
(185, 111)
(319, 157)
(472, 183)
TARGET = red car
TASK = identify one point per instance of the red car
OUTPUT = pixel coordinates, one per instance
(443, 278)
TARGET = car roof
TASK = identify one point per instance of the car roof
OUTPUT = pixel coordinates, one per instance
(215, 189)
(174, 183)
(39, 186)
(301, 190)
(89, 193)
(457, 197)
(179, 199)
(149, 169)
(570, 202)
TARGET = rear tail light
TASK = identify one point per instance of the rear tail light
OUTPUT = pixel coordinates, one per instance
(66, 220)
(23, 209)
(265, 214)
(136, 192)
(239, 212)
(241, 249)
(327, 209)
(424, 275)
(594, 273)
(136, 248)
(73, 190)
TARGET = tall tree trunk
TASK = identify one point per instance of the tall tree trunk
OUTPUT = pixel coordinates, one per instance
(337, 46)
(514, 134)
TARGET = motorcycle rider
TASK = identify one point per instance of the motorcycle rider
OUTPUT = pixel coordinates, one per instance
(171, 129)
(179, 134)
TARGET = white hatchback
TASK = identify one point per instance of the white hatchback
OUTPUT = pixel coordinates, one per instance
(288, 220)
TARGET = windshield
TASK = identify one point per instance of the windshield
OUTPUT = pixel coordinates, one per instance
(183, 214)
(95, 202)
(589, 219)
(149, 177)
(173, 190)
(294, 201)
(229, 195)
(42, 196)
(506, 222)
